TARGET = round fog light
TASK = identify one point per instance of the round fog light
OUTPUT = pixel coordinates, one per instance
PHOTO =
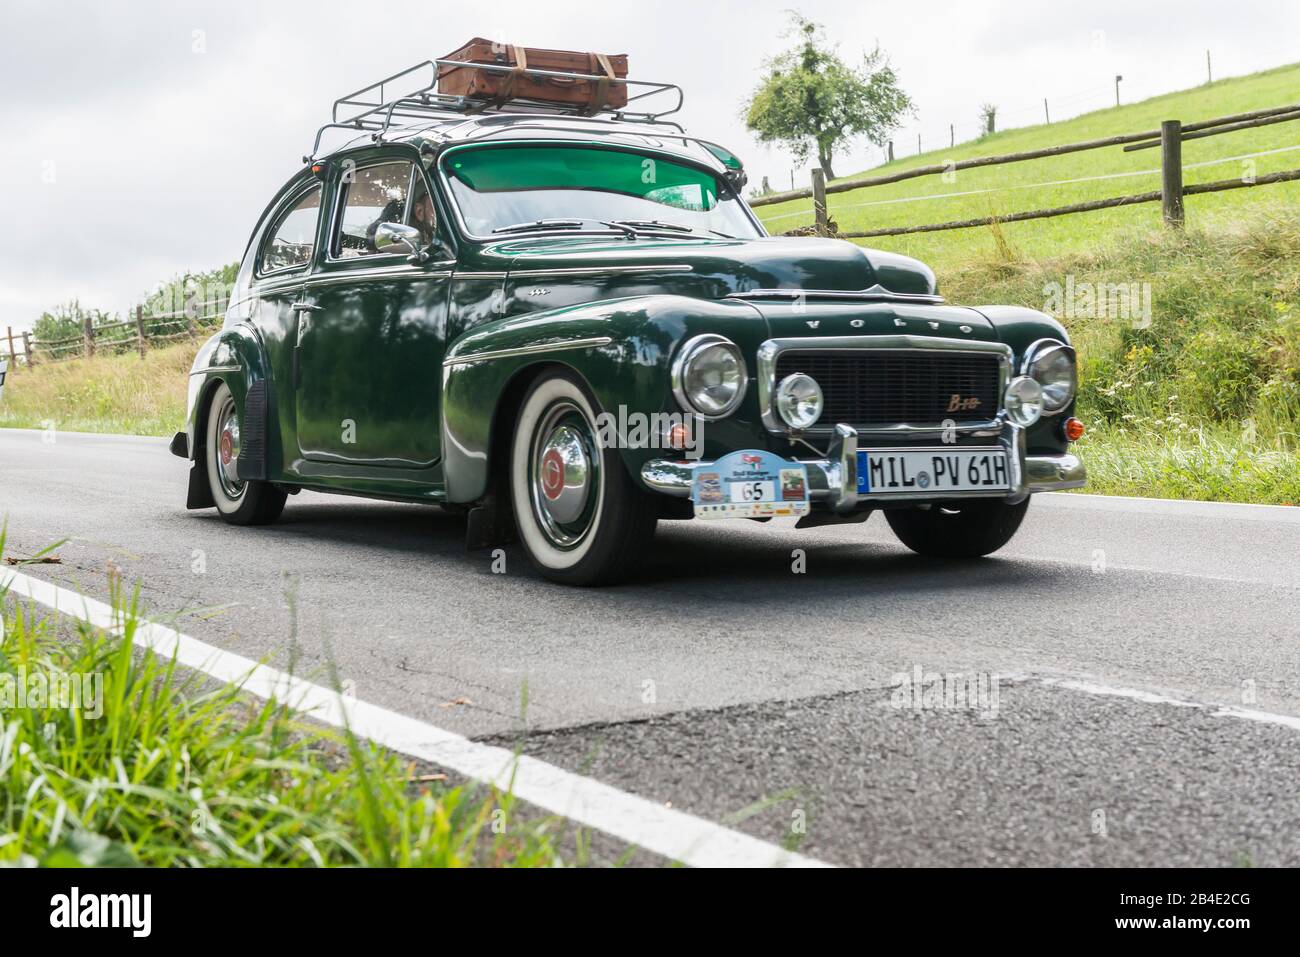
(799, 400)
(1024, 401)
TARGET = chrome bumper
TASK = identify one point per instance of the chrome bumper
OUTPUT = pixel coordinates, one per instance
(834, 479)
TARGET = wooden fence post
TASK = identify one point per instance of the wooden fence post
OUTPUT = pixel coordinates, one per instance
(891, 151)
(88, 337)
(819, 203)
(27, 349)
(1171, 172)
(139, 329)
(13, 356)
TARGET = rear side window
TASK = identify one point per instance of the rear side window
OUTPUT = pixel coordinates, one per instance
(292, 239)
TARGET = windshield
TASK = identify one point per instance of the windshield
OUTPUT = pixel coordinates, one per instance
(518, 188)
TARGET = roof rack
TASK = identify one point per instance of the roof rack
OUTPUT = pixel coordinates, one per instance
(372, 108)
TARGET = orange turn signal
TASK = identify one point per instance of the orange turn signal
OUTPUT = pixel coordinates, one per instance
(678, 437)
(1073, 429)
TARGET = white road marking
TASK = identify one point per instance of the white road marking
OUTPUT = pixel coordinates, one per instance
(643, 823)
(1147, 697)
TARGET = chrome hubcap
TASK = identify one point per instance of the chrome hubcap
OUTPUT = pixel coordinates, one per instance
(565, 475)
(227, 450)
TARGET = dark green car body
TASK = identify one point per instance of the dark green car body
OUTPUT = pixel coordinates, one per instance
(399, 379)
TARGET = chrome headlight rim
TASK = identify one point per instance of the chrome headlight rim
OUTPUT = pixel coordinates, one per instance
(784, 396)
(689, 350)
(1040, 350)
(1014, 406)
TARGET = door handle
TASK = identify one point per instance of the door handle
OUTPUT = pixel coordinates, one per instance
(305, 307)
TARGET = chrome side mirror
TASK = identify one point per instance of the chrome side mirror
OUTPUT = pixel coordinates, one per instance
(395, 237)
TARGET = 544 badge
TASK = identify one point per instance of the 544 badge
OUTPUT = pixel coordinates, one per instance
(750, 483)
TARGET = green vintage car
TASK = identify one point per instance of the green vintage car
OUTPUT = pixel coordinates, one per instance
(571, 327)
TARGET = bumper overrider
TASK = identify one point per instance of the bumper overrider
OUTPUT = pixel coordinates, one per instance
(833, 479)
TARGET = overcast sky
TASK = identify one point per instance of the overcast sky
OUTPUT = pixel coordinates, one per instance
(140, 139)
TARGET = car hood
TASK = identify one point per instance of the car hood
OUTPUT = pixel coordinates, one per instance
(724, 266)
(805, 287)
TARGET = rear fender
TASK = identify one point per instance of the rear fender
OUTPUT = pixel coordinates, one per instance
(235, 356)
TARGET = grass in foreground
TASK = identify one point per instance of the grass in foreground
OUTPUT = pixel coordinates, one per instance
(172, 774)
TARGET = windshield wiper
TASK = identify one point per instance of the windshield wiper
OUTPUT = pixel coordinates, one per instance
(652, 224)
(627, 229)
(665, 227)
(540, 224)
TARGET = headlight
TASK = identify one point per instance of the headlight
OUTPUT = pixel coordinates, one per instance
(1024, 401)
(709, 376)
(1052, 365)
(799, 400)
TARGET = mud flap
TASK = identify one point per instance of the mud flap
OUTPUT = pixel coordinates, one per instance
(252, 436)
(491, 523)
(818, 519)
(200, 492)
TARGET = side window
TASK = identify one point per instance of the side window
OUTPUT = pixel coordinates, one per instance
(370, 196)
(420, 214)
(293, 238)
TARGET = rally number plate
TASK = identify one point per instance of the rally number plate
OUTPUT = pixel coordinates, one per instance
(750, 484)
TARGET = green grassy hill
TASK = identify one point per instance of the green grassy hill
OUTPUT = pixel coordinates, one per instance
(1016, 186)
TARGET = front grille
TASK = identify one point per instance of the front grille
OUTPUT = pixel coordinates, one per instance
(880, 387)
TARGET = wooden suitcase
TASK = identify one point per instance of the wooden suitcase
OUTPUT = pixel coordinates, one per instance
(499, 86)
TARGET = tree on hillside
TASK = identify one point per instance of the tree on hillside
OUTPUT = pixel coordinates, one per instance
(811, 101)
(988, 119)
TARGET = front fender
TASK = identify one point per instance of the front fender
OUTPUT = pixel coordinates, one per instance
(1020, 327)
(621, 348)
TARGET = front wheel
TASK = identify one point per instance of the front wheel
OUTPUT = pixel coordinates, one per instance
(581, 518)
(966, 529)
(240, 502)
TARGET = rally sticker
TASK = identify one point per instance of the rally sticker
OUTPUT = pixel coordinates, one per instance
(750, 484)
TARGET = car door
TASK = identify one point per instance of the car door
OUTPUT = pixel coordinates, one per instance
(372, 328)
(283, 257)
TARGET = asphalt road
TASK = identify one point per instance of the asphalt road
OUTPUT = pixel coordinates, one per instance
(742, 690)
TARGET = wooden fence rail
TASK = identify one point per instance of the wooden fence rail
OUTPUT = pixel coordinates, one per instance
(138, 332)
(1169, 138)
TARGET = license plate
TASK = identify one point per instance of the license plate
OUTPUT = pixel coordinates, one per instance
(932, 471)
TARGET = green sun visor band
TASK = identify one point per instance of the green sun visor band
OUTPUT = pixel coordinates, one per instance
(514, 168)
(726, 157)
